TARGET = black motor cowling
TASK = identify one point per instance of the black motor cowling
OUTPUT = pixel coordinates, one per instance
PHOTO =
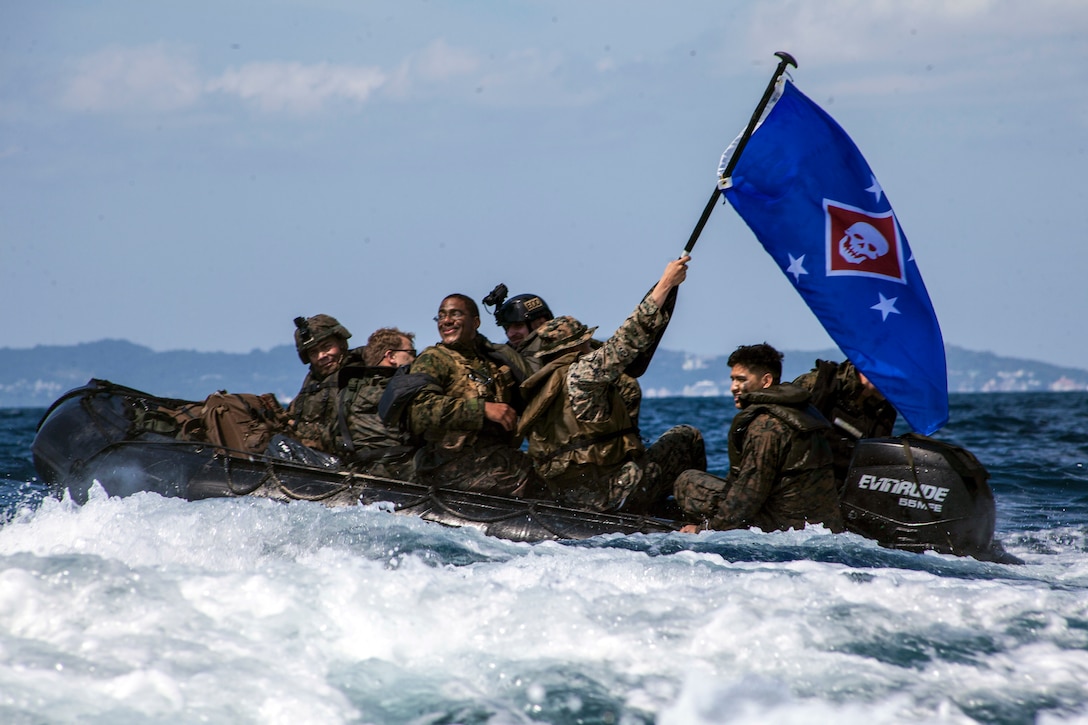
(917, 493)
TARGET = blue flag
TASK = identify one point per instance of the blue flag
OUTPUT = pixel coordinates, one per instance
(814, 204)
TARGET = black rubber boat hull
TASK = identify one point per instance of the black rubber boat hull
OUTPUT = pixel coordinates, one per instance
(908, 493)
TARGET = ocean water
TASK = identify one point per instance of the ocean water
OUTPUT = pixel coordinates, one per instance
(152, 610)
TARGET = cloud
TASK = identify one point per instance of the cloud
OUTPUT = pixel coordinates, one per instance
(437, 65)
(157, 78)
(148, 78)
(298, 88)
(523, 76)
(951, 57)
(864, 37)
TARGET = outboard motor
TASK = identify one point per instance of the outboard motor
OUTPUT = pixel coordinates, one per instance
(917, 493)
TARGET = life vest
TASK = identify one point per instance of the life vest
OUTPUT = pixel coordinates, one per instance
(362, 435)
(476, 378)
(789, 404)
(313, 411)
(559, 440)
(803, 489)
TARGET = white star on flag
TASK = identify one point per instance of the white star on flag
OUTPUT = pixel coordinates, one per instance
(886, 306)
(796, 267)
(876, 189)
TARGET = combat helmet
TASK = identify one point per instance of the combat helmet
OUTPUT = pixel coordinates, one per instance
(522, 309)
(562, 333)
(309, 332)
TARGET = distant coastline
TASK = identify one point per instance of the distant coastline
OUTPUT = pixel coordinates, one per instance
(37, 376)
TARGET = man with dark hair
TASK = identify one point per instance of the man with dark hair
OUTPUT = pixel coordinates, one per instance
(583, 431)
(467, 413)
(780, 473)
(853, 406)
(322, 343)
(364, 441)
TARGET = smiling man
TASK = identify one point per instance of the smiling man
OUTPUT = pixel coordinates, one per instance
(780, 473)
(322, 343)
(467, 416)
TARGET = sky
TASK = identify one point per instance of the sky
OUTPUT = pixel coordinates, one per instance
(193, 175)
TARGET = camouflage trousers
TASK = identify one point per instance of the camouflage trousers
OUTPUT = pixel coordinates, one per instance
(698, 493)
(495, 469)
(641, 486)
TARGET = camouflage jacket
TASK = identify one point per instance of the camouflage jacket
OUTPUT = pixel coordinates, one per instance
(559, 440)
(582, 418)
(449, 413)
(313, 411)
(594, 377)
(780, 473)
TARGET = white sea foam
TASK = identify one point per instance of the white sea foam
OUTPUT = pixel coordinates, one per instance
(253, 611)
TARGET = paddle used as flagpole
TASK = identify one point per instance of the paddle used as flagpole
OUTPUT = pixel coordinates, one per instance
(785, 60)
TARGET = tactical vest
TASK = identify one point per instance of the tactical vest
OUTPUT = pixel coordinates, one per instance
(559, 440)
(472, 379)
(314, 412)
(802, 418)
(362, 436)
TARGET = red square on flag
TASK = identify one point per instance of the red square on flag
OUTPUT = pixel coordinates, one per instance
(861, 243)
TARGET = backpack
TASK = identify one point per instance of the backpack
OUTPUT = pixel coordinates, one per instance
(236, 421)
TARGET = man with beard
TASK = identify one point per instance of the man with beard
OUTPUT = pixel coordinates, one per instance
(467, 412)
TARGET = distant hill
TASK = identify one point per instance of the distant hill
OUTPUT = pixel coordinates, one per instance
(678, 373)
(37, 376)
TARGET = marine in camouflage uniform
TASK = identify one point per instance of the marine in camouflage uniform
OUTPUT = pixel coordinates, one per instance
(364, 441)
(854, 407)
(312, 413)
(466, 414)
(780, 473)
(520, 317)
(582, 418)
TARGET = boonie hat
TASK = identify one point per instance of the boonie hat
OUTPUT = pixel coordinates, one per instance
(562, 333)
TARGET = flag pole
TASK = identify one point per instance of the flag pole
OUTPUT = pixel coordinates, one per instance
(785, 60)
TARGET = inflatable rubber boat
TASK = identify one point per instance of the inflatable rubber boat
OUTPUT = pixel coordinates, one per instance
(910, 492)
